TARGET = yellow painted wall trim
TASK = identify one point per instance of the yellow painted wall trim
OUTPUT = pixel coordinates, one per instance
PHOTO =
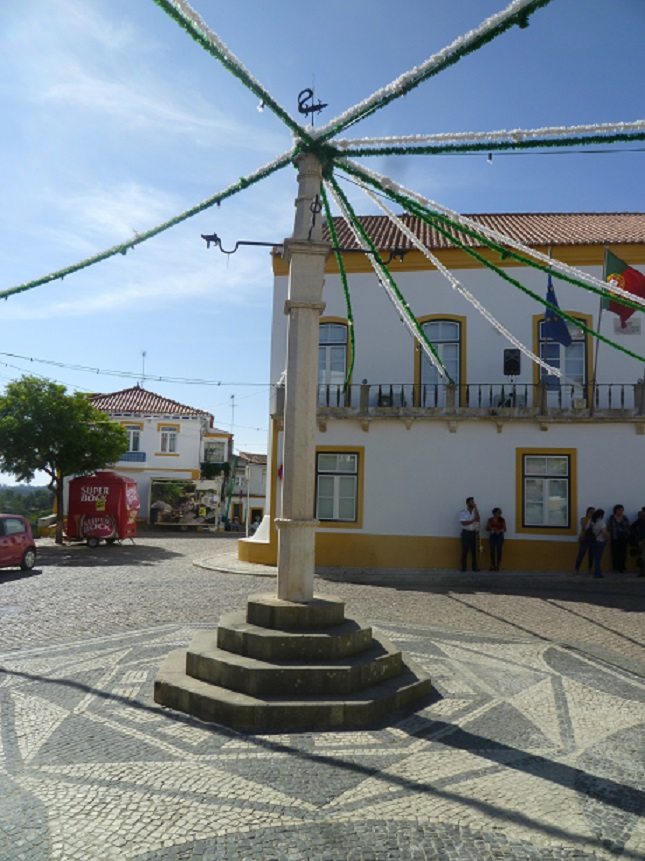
(168, 426)
(335, 550)
(153, 470)
(455, 258)
(350, 550)
(259, 552)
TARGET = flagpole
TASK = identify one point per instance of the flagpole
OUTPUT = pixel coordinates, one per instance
(595, 361)
(547, 330)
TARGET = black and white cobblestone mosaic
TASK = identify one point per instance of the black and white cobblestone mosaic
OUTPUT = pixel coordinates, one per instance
(530, 750)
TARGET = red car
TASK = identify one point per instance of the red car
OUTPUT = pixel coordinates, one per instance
(17, 548)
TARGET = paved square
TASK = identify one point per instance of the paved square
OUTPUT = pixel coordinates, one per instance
(531, 749)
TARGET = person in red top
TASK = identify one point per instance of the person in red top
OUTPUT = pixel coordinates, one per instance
(496, 527)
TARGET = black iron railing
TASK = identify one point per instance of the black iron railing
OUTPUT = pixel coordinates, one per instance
(364, 397)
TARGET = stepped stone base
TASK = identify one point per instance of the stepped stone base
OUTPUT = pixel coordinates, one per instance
(289, 666)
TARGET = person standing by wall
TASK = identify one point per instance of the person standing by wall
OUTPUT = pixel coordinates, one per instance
(469, 522)
(583, 542)
(637, 538)
(496, 527)
(618, 526)
(600, 533)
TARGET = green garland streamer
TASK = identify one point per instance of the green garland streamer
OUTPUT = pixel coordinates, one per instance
(343, 278)
(243, 182)
(520, 18)
(233, 67)
(504, 251)
(428, 218)
(387, 274)
(491, 146)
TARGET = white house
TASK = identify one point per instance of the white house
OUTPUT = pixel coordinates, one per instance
(253, 487)
(399, 449)
(167, 439)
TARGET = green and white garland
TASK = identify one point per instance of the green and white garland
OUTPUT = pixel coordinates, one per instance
(385, 278)
(456, 284)
(334, 152)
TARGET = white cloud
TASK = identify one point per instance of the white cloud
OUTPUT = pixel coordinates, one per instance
(91, 67)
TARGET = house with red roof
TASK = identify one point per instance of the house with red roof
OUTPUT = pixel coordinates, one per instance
(167, 439)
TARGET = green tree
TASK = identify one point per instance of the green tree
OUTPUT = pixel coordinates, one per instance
(43, 428)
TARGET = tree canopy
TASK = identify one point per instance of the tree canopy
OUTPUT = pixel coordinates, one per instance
(43, 428)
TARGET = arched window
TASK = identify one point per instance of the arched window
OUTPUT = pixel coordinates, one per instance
(445, 337)
(332, 363)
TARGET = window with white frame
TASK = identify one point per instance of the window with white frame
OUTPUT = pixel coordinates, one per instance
(337, 486)
(134, 437)
(546, 483)
(168, 440)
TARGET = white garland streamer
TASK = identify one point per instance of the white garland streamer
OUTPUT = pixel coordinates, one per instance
(211, 36)
(401, 84)
(456, 284)
(610, 288)
(513, 135)
(401, 310)
(188, 12)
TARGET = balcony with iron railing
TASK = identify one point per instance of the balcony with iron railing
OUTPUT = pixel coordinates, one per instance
(133, 457)
(528, 400)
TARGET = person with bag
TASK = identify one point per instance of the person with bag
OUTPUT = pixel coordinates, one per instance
(584, 542)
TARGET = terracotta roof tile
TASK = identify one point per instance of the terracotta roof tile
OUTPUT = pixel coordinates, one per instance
(531, 228)
(140, 401)
(254, 458)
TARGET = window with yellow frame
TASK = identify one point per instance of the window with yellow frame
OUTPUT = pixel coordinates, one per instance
(339, 481)
(546, 490)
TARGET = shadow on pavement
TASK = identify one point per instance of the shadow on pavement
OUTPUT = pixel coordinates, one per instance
(619, 591)
(495, 755)
(104, 556)
(10, 575)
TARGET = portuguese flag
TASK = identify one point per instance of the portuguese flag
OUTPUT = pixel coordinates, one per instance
(625, 277)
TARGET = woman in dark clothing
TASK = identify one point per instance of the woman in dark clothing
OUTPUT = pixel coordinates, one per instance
(496, 527)
(618, 526)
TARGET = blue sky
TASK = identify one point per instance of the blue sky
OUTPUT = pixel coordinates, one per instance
(114, 121)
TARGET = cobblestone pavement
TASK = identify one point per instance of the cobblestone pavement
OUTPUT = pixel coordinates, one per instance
(532, 747)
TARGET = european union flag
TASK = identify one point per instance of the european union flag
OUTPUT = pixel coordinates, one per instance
(555, 326)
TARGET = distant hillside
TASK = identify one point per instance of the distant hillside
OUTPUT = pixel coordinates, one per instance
(31, 502)
(23, 488)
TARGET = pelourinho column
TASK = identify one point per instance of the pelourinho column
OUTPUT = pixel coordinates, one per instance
(306, 254)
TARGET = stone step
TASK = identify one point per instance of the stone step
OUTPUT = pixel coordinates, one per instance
(207, 662)
(269, 611)
(236, 634)
(216, 704)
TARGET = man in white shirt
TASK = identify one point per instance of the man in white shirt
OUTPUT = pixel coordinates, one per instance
(469, 522)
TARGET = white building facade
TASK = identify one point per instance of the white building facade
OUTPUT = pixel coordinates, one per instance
(399, 450)
(167, 440)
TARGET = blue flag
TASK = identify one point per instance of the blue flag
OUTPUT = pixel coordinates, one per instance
(555, 326)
